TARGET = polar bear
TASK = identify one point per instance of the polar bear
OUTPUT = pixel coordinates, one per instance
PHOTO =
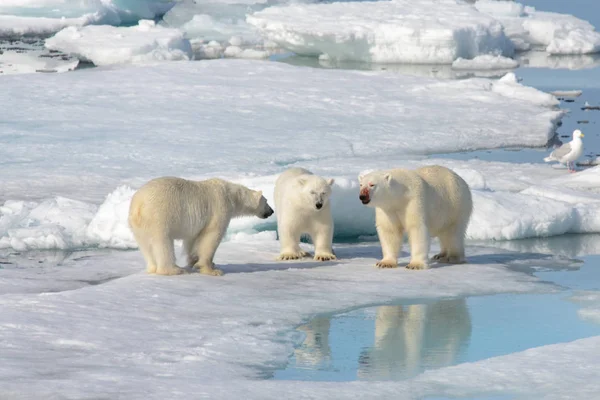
(197, 212)
(303, 207)
(427, 202)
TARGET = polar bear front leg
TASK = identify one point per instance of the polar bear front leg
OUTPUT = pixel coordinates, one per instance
(390, 235)
(206, 246)
(418, 237)
(322, 236)
(289, 238)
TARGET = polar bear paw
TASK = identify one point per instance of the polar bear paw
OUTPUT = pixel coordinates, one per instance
(206, 270)
(174, 270)
(449, 259)
(387, 264)
(325, 257)
(416, 265)
(293, 255)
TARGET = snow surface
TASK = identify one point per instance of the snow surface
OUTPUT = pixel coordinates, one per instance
(105, 45)
(12, 62)
(527, 27)
(44, 17)
(400, 31)
(156, 337)
(485, 62)
(247, 121)
(439, 32)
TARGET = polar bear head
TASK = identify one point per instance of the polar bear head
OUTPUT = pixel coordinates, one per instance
(375, 187)
(314, 190)
(252, 202)
(263, 209)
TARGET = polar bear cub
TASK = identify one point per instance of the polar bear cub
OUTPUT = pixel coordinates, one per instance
(303, 207)
(197, 212)
(431, 201)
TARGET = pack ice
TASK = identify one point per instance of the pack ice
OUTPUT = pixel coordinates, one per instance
(44, 17)
(429, 32)
(249, 120)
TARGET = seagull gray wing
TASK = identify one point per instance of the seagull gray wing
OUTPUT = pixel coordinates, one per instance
(562, 150)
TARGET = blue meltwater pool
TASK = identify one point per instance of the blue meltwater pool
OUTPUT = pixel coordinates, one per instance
(400, 340)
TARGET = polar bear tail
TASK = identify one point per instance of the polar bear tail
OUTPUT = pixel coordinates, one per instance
(135, 216)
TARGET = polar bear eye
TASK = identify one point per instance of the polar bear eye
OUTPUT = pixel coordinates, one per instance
(313, 192)
(371, 184)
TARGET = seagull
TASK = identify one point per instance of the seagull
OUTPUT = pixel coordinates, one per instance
(568, 152)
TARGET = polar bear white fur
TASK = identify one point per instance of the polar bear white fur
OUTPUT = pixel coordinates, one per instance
(197, 212)
(427, 202)
(302, 207)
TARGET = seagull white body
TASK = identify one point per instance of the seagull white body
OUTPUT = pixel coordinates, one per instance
(568, 152)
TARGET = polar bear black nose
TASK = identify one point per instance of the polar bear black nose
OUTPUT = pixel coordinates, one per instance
(363, 197)
(319, 205)
(268, 213)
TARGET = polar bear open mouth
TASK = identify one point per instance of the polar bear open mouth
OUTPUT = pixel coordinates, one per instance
(364, 197)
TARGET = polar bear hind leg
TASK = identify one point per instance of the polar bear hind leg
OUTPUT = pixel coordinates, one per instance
(205, 246)
(452, 242)
(146, 250)
(189, 250)
(164, 255)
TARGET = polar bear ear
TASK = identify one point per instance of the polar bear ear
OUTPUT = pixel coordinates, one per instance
(330, 181)
(360, 177)
(387, 177)
(302, 181)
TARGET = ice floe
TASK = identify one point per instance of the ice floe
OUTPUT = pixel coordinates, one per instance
(44, 17)
(528, 27)
(400, 31)
(105, 45)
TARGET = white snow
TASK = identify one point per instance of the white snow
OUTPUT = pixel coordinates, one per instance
(222, 23)
(567, 93)
(527, 27)
(105, 45)
(14, 26)
(440, 32)
(154, 337)
(501, 211)
(509, 86)
(93, 324)
(400, 31)
(246, 121)
(13, 62)
(44, 17)
(485, 62)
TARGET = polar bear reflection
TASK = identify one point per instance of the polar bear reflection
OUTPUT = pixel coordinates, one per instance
(408, 340)
(411, 339)
(315, 350)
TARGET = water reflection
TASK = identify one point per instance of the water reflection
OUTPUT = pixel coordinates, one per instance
(439, 71)
(541, 59)
(315, 349)
(574, 245)
(407, 340)
(529, 59)
(414, 338)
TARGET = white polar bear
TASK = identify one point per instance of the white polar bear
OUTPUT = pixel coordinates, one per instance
(197, 212)
(427, 202)
(303, 207)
